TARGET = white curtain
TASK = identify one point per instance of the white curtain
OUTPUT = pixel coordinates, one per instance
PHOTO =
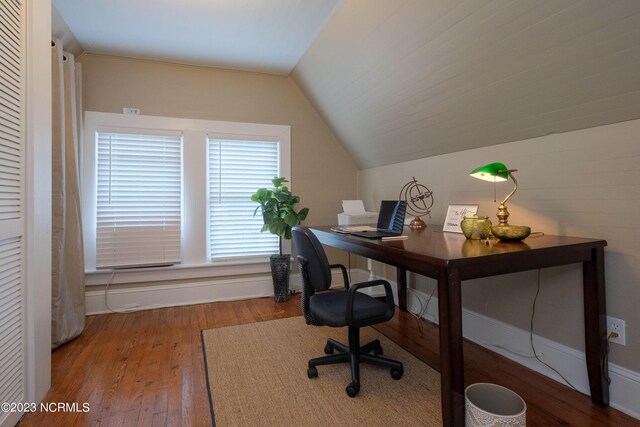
(67, 259)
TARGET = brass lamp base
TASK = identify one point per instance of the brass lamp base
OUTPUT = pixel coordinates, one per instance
(503, 214)
(417, 223)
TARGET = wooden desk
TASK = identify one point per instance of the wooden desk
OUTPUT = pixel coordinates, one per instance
(450, 258)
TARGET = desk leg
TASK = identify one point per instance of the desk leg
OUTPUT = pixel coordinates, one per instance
(451, 357)
(401, 280)
(595, 323)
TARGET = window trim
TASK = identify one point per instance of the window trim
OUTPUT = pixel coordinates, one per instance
(194, 240)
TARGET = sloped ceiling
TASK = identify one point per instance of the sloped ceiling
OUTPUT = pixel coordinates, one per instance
(406, 79)
(267, 36)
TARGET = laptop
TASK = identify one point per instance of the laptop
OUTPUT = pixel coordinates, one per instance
(390, 220)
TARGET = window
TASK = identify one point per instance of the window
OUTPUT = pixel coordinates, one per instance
(203, 215)
(236, 169)
(138, 199)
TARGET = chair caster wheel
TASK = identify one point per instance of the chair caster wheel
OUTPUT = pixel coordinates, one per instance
(312, 372)
(396, 373)
(353, 389)
(328, 349)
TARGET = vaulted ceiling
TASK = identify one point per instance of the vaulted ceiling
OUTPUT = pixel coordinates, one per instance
(404, 79)
(267, 36)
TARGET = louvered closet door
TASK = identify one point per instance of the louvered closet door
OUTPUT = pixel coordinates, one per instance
(12, 330)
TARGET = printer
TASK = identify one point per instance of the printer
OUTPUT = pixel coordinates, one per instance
(354, 214)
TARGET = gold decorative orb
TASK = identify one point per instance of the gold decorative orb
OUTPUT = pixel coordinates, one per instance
(419, 202)
(511, 233)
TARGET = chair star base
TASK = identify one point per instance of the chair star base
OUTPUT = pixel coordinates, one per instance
(370, 353)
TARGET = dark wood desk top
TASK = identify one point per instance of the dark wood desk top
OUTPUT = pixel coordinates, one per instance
(427, 250)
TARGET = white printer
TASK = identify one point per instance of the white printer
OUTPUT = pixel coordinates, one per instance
(354, 214)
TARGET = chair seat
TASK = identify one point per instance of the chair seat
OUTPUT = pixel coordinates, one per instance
(329, 308)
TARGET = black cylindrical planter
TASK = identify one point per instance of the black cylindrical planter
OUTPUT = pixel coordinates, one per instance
(280, 275)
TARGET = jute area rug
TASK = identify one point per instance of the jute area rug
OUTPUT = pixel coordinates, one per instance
(257, 376)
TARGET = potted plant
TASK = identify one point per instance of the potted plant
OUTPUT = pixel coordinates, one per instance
(279, 216)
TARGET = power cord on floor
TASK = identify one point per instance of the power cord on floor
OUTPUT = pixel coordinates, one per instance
(533, 313)
(537, 355)
(423, 307)
(605, 359)
(527, 356)
(127, 309)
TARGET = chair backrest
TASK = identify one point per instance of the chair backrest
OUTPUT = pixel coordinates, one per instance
(314, 265)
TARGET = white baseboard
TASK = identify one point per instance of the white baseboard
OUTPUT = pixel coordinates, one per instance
(514, 343)
(497, 336)
(170, 295)
(156, 296)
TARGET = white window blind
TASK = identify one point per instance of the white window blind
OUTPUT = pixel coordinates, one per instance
(138, 200)
(236, 169)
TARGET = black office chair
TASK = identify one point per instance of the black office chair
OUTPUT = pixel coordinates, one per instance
(342, 307)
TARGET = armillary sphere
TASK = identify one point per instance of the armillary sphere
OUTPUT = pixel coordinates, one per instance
(419, 202)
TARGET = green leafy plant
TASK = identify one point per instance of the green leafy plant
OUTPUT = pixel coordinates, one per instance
(278, 209)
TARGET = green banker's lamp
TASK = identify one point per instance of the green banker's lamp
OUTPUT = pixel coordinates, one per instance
(495, 172)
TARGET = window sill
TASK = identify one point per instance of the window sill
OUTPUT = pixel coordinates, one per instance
(177, 272)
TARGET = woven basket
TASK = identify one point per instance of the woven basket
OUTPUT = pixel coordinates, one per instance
(280, 274)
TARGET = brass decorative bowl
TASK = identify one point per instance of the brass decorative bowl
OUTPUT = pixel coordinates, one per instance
(511, 233)
(476, 227)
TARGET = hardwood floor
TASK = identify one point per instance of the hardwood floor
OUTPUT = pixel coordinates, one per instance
(146, 369)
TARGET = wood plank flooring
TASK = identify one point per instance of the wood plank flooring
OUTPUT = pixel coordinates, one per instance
(147, 369)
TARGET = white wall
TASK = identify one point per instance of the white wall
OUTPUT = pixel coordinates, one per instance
(582, 183)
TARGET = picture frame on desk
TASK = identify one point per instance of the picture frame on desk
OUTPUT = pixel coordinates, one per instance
(455, 215)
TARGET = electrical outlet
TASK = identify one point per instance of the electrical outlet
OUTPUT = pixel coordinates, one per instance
(131, 111)
(618, 326)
